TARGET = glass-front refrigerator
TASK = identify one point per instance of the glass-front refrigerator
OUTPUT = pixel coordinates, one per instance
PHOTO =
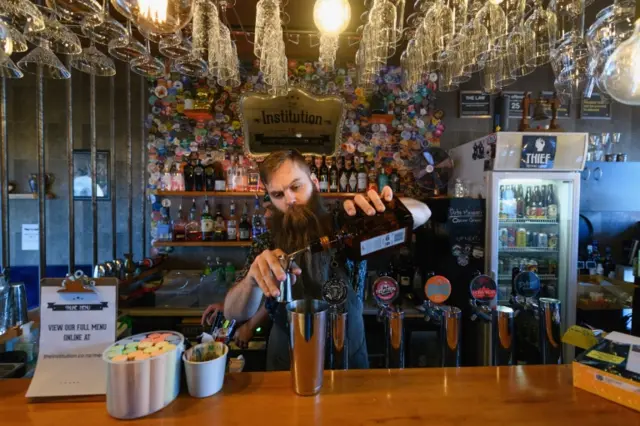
(531, 184)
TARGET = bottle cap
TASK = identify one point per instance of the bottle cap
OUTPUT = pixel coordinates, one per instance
(483, 288)
(437, 289)
(385, 290)
(527, 284)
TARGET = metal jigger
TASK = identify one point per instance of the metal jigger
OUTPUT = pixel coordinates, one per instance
(286, 293)
(437, 290)
(334, 292)
(385, 291)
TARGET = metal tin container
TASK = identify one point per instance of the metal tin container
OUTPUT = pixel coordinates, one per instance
(139, 388)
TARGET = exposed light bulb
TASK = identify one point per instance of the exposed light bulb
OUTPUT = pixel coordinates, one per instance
(331, 16)
(621, 74)
(153, 10)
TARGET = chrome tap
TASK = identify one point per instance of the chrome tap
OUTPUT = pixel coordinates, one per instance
(118, 268)
(99, 271)
(480, 310)
(109, 268)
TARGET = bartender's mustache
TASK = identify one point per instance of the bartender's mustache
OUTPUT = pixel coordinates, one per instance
(300, 224)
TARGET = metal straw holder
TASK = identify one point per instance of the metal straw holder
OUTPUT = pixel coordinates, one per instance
(449, 318)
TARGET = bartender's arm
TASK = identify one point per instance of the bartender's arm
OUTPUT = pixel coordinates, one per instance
(245, 332)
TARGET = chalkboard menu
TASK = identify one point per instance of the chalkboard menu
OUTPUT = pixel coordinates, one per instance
(475, 104)
(595, 107)
(564, 109)
(516, 104)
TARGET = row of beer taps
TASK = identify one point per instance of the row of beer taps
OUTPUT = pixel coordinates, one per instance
(118, 268)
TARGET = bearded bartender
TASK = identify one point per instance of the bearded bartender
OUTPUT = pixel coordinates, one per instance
(299, 216)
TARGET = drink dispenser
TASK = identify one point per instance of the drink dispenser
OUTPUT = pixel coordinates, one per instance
(494, 326)
(386, 290)
(334, 292)
(437, 290)
(547, 312)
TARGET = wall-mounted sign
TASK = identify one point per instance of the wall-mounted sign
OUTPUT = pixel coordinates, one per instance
(516, 104)
(474, 104)
(298, 120)
(538, 152)
(595, 107)
(564, 109)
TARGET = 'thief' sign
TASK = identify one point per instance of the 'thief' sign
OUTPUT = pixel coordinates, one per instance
(538, 152)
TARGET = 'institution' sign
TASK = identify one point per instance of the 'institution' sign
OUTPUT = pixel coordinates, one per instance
(296, 120)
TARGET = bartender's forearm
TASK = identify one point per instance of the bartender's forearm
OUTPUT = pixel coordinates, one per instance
(260, 318)
(243, 300)
(419, 210)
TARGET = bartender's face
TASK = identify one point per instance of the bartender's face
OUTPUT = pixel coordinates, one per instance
(289, 186)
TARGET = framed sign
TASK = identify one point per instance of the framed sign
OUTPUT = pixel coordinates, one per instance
(538, 151)
(516, 104)
(82, 175)
(298, 120)
(564, 109)
(595, 107)
(474, 104)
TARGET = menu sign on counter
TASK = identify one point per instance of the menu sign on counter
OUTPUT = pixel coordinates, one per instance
(516, 104)
(595, 107)
(474, 104)
(77, 323)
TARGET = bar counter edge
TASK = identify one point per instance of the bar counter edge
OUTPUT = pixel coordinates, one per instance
(527, 395)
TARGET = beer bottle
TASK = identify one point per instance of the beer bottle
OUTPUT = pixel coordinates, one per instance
(543, 201)
(344, 176)
(552, 204)
(520, 203)
(528, 203)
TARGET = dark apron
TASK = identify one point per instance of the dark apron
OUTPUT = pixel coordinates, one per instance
(315, 272)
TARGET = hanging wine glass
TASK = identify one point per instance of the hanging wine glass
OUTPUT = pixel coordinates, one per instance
(156, 16)
(42, 56)
(543, 24)
(492, 17)
(175, 48)
(449, 68)
(521, 51)
(8, 69)
(103, 28)
(19, 40)
(61, 39)
(492, 72)
(206, 30)
(147, 66)
(6, 43)
(126, 49)
(191, 66)
(505, 78)
(92, 61)
(75, 10)
(25, 15)
(478, 39)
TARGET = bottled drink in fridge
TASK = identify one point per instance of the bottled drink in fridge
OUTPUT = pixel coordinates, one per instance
(520, 210)
(552, 204)
(529, 204)
(502, 211)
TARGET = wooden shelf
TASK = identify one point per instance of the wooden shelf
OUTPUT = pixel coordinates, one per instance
(28, 196)
(202, 244)
(240, 194)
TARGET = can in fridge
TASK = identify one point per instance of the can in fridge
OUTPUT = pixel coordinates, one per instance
(521, 237)
(512, 236)
(543, 240)
(503, 237)
(534, 239)
(553, 241)
(529, 241)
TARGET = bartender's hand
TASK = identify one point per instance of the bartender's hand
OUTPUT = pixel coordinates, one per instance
(266, 271)
(243, 335)
(210, 313)
(371, 205)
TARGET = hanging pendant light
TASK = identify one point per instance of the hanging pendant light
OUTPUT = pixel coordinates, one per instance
(331, 17)
(156, 16)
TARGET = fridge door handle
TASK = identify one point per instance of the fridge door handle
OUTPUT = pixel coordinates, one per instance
(597, 174)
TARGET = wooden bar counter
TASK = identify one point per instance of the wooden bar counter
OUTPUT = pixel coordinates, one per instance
(505, 396)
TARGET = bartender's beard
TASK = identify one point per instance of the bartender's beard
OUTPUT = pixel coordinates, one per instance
(300, 224)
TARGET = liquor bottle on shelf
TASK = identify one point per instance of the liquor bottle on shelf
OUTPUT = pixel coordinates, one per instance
(313, 169)
(372, 177)
(520, 209)
(193, 229)
(352, 186)
(383, 178)
(206, 222)
(257, 221)
(362, 177)
(232, 223)
(333, 177)
(552, 204)
(324, 175)
(244, 229)
(242, 181)
(164, 226)
(220, 183)
(209, 178)
(219, 226)
(198, 177)
(394, 181)
(177, 178)
(165, 180)
(179, 226)
(231, 175)
(253, 177)
(360, 237)
(189, 181)
(344, 176)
